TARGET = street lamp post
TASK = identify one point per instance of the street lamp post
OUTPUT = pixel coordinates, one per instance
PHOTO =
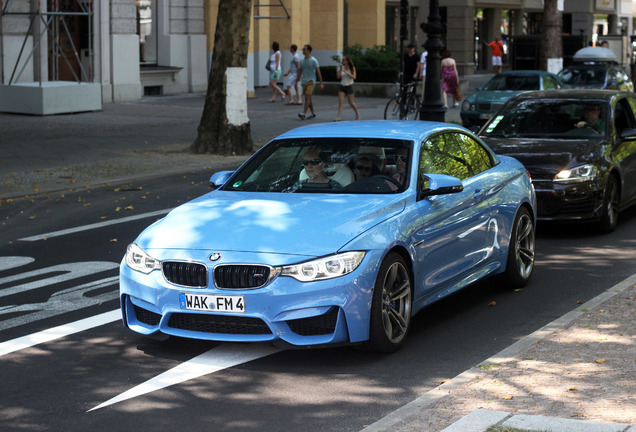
(432, 107)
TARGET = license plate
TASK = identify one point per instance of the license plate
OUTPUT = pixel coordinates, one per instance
(212, 303)
(485, 116)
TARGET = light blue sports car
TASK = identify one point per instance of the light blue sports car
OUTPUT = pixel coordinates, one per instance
(333, 233)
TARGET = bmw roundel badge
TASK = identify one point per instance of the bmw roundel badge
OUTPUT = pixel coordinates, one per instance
(215, 256)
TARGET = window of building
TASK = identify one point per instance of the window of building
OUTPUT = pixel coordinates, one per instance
(147, 31)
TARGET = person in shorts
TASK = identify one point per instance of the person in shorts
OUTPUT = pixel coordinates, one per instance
(309, 69)
(346, 74)
(275, 71)
(292, 75)
(497, 48)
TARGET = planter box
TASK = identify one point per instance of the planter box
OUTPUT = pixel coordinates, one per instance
(50, 97)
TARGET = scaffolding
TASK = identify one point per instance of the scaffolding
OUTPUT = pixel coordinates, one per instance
(258, 6)
(55, 29)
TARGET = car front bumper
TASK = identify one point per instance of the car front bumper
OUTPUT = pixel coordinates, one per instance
(556, 202)
(284, 310)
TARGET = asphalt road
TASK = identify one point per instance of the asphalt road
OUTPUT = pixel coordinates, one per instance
(78, 368)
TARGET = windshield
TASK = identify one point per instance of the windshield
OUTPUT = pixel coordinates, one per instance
(585, 75)
(513, 82)
(550, 119)
(327, 165)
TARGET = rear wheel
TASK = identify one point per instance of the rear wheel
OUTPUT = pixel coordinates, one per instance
(521, 250)
(391, 306)
(413, 110)
(611, 197)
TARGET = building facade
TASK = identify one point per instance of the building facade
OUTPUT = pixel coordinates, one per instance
(131, 48)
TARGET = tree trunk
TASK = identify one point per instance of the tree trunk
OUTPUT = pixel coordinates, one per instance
(551, 45)
(224, 127)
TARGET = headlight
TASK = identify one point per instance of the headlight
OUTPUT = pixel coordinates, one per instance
(324, 268)
(575, 175)
(465, 105)
(139, 260)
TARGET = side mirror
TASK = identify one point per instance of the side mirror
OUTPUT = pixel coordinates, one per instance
(628, 134)
(220, 178)
(439, 184)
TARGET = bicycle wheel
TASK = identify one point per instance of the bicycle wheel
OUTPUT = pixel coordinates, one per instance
(413, 109)
(392, 110)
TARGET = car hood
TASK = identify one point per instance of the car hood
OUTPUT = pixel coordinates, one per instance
(287, 223)
(543, 158)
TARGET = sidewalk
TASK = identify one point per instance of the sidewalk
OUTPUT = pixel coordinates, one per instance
(578, 374)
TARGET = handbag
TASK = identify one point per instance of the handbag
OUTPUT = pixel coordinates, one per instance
(458, 95)
(267, 66)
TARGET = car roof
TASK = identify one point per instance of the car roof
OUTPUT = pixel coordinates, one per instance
(408, 130)
(594, 54)
(525, 72)
(584, 94)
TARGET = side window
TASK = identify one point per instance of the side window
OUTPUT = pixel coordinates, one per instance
(613, 75)
(632, 104)
(475, 155)
(549, 83)
(622, 117)
(454, 154)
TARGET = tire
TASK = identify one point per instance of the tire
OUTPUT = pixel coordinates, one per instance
(391, 306)
(392, 110)
(520, 251)
(413, 110)
(611, 201)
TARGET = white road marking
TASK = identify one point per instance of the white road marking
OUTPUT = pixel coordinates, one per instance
(70, 299)
(9, 262)
(61, 273)
(58, 332)
(94, 226)
(222, 357)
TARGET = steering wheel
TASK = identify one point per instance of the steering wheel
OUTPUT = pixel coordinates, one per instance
(389, 179)
(583, 124)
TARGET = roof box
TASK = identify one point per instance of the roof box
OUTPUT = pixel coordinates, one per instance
(595, 54)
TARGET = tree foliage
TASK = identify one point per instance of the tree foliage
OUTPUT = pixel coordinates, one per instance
(225, 127)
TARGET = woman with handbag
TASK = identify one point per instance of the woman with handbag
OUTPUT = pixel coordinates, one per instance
(275, 71)
(450, 78)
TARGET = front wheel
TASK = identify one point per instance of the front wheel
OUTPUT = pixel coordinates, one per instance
(520, 251)
(392, 110)
(391, 306)
(609, 215)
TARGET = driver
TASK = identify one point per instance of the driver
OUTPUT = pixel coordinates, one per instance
(592, 118)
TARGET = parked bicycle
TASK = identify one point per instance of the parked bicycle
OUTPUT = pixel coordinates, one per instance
(405, 105)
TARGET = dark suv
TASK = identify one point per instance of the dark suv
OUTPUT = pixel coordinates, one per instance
(596, 67)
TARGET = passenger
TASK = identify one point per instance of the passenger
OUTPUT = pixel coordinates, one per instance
(400, 165)
(314, 164)
(591, 118)
(363, 167)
